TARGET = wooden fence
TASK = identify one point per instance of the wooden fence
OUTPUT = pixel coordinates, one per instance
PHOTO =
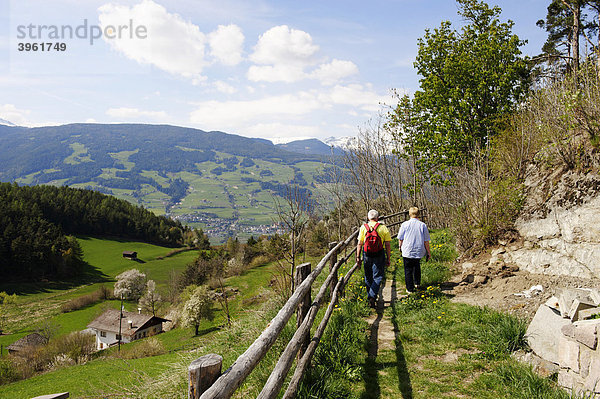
(206, 380)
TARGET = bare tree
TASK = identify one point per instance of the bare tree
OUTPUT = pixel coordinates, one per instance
(292, 212)
(376, 173)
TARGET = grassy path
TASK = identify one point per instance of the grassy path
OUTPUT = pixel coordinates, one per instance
(385, 360)
(424, 346)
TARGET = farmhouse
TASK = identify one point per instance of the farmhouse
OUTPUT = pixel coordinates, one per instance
(130, 254)
(133, 326)
(27, 341)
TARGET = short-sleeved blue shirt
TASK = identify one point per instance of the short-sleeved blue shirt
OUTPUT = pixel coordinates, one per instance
(414, 233)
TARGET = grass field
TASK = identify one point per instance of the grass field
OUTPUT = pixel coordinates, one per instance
(105, 376)
(40, 303)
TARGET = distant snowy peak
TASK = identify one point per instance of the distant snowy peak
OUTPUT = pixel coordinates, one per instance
(6, 123)
(341, 142)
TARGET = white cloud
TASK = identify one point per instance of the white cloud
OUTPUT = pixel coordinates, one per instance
(224, 87)
(90, 120)
(226, 44)
(281, 132)
(282, 45)
(356, 95)
(334, 71)
(171, 44)
(282, 54)
(235, 114)
(135, 113)
(276, 73)
(14, 115)
(293, 115)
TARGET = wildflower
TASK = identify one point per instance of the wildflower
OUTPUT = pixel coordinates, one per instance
(439, 317)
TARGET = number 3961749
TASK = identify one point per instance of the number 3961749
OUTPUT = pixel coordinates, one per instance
(44, 46)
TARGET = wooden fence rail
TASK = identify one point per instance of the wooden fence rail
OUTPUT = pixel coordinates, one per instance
(231, 379)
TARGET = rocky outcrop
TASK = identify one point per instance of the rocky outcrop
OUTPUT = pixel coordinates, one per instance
(564, 334)
(560, 224)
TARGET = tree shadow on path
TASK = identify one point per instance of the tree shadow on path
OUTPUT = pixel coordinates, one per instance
(403, 376)
(371, 366)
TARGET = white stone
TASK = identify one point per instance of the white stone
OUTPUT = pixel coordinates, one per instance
(568, 353)
(578, 306)
(586, 334)
(467, 266)
(569, 379)
(595, 296)
(592, 381)
(498, 251)
(552, 302)
(544, 332)
(585, 359)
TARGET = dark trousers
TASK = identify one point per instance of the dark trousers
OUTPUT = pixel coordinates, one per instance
(412, 272)
(374, 272)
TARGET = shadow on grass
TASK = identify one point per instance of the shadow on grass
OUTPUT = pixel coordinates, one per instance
(403, 376)
(207, 331)
(88, 275)
(372, 366)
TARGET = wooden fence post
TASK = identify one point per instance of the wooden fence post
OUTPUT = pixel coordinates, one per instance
(203, 372)
(332, 262)
(302, 272)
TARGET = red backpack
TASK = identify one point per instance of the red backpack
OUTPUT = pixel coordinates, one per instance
(373, 243)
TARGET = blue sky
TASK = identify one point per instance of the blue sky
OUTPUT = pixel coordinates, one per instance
(279, 70)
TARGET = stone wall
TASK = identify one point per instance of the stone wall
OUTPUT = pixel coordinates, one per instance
(564, 333)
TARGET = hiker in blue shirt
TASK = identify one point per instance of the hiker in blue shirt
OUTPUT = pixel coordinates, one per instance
(413, 239)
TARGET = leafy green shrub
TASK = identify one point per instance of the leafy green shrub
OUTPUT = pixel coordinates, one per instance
(8, 371)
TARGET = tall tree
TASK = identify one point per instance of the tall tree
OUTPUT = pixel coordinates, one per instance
(595, 6)
(566, 23)
(470, 79)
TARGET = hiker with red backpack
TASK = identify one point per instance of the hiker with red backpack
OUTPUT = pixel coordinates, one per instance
(413, 239)
(374, 240)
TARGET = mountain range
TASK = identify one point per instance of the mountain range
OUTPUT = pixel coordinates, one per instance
(221, 182)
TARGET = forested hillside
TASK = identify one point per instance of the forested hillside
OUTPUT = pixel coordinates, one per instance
(38, 221)
(189, 174)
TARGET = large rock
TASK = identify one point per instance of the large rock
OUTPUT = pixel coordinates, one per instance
(559, 225)
(592, 381)
(568, 353)
(544, 332)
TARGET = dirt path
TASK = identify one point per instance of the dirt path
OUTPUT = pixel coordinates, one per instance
(386, 373)
(382, 329)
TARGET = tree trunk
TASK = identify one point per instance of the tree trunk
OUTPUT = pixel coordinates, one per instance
(196, 327)
(575, 38)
